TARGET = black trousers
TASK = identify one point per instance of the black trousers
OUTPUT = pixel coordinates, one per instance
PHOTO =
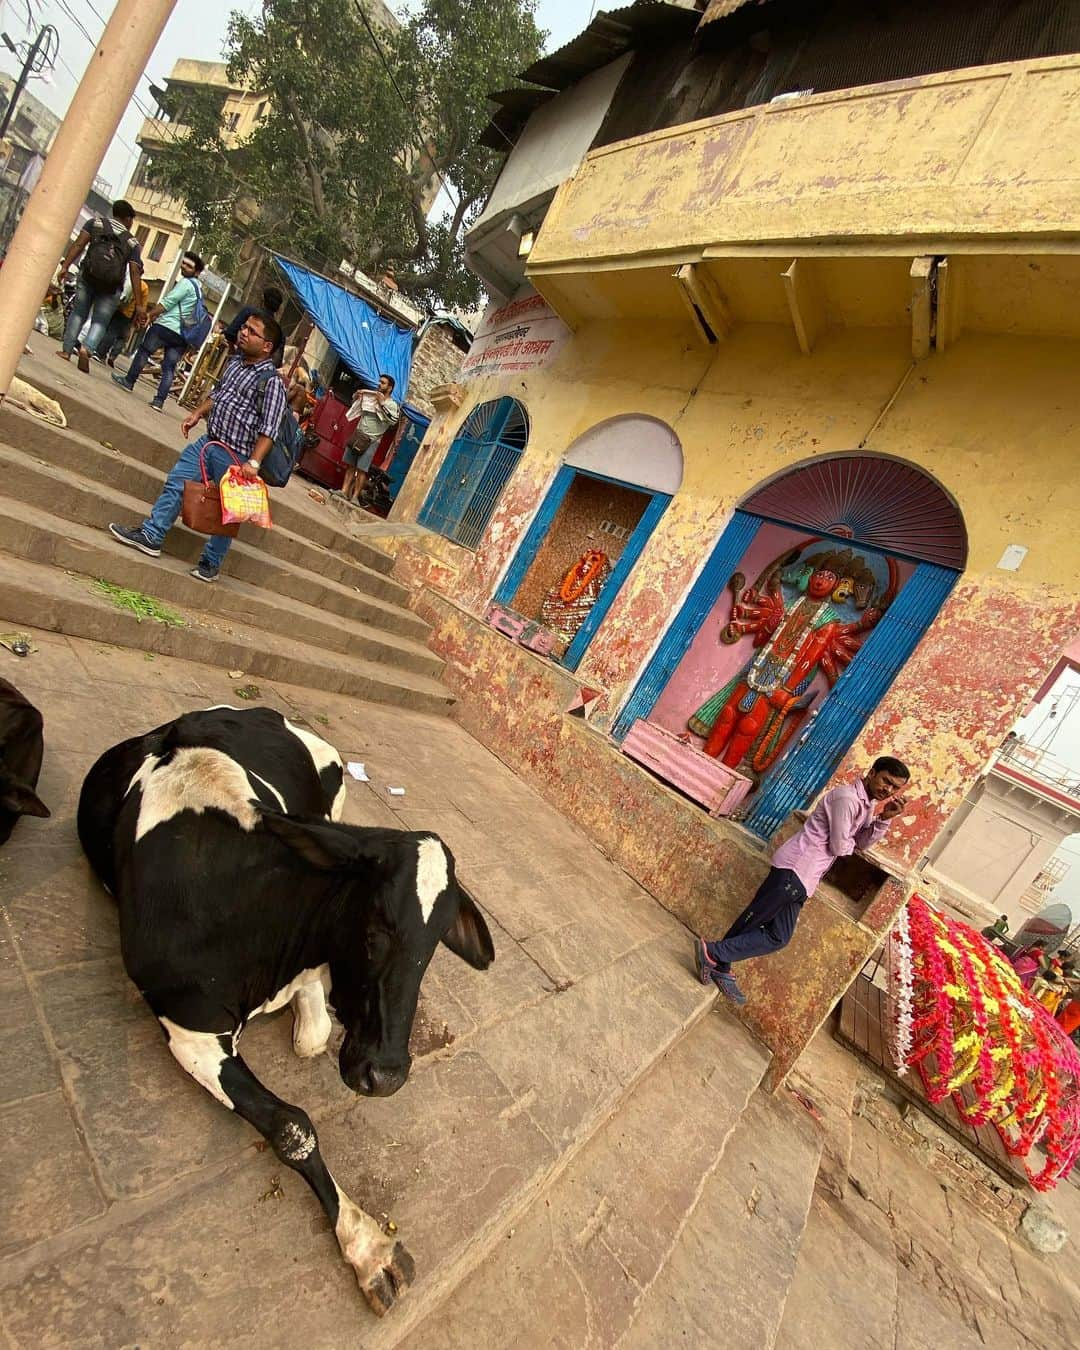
(766, 924)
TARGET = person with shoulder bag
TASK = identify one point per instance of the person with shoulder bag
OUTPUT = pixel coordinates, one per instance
(178, 321)
(111, 252)
(243, 418)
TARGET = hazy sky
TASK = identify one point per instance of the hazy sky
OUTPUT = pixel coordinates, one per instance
(196, 30)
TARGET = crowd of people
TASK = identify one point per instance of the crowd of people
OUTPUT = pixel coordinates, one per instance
(259, 382)
(1051, 980)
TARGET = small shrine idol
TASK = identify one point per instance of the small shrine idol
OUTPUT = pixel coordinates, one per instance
(566, 606)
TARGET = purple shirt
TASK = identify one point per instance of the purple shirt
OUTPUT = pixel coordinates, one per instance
(840, 823)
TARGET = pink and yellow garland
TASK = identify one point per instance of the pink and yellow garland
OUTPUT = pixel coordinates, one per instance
(961, 1017)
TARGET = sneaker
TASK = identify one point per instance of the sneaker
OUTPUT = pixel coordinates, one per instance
(725, 982)
(204, 572)
(121, 380)
(157, 407)
(703, 962)
(96, 356)
(136, 537)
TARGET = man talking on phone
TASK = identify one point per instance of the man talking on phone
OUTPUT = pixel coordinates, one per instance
(855, 815)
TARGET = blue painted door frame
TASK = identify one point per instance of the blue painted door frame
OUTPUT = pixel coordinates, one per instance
(537, 531)
(704, 593)
(806, 768)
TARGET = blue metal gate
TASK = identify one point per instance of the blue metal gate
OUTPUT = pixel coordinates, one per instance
(477, 467)
(805, 770)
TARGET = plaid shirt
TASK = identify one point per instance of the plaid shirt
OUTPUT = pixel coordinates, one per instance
(240, 411)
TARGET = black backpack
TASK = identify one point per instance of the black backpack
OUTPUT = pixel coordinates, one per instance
(107, 258)
(280, 460)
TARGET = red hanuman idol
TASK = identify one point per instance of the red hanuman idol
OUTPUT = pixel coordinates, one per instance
(751, 720)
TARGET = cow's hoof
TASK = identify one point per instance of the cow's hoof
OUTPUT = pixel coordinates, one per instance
(385, 1277)
(304, 1049)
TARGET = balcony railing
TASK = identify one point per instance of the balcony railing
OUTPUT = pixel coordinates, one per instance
(1018, 760)
(978, 154)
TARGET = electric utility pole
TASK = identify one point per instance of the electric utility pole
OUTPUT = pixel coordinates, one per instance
(40, 57)
(111, 77)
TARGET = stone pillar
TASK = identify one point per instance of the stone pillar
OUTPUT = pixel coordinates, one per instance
(447, 399)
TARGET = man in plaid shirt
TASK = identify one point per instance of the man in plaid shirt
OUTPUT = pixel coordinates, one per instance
(244, 412)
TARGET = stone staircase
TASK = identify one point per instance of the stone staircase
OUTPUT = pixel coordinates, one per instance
(583, 1156)
(304, 602)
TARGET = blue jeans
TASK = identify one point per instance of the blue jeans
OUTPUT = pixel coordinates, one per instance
(92, 305)
(163, 514)
(158, 336)
(766, 924)
(116, 336)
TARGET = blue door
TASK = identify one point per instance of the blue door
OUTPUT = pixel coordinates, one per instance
(805, 770)
(477, 467)
(411, 438)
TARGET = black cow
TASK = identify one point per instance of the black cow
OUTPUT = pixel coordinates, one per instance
(239, 892)
(21, 749)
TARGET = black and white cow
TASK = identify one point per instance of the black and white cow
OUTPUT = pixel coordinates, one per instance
(239, 891)
(21, 750)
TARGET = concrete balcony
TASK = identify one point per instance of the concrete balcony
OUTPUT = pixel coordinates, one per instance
(157, 131)
(978, 154)
(980, 162)
(157, 205)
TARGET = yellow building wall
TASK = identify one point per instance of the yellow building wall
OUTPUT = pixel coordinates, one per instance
(996, 419)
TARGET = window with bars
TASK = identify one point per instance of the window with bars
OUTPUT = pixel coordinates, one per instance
(478, 466)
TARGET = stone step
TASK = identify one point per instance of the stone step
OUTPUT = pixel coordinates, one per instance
(597, 1245)
(727, 1276)
(257, 556)
(459, 1159)
(101, 482)
(41, 595)
(90, 423)
(27, 532)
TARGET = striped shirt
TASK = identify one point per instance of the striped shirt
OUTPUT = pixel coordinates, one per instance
(241, 411)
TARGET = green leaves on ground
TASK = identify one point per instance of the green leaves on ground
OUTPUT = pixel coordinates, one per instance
(141, 605)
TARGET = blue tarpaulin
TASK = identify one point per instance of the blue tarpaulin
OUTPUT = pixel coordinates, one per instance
(369, 344)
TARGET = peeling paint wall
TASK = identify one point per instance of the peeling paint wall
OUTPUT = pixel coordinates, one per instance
(702, 870)
(926, 157)
(995, 419)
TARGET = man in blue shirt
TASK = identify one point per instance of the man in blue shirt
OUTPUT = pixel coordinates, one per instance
(167, 318)
(244, 412)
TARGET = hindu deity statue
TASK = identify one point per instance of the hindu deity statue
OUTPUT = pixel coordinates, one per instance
(566, 606)
(750, 721)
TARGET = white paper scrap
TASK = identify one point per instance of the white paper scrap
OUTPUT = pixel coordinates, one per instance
(358, 771)
(396, 792)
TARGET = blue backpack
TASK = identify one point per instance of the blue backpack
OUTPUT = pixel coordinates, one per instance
(197, 331)
(280, 460)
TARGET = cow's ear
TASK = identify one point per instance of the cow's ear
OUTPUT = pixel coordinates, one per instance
(21, 799)
(321, 843)
(468, 936)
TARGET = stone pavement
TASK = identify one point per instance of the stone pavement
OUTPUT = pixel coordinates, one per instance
(893, 1259)
(139, 1212)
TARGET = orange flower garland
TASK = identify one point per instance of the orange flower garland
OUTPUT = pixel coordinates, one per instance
(962, 1019)
(577, 579)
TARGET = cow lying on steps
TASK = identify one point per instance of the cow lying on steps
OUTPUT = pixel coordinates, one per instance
(239, 892)
(21, 750)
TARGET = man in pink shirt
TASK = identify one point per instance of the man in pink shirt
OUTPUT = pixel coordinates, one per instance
(853, 816)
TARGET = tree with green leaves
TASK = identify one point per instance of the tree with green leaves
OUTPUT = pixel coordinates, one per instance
(363, 123)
